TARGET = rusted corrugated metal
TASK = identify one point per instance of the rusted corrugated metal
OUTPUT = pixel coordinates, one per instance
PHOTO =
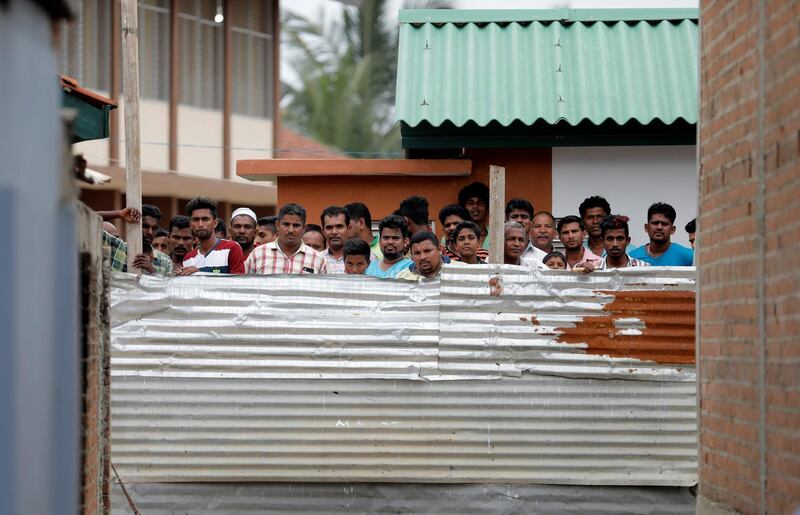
(243, 379)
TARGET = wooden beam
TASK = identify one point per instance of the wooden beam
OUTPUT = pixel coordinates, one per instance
(276, 76)
(130, 79)
(116, 81)
(497, 207)
(227, 94)
(259, 169)
(174, 82)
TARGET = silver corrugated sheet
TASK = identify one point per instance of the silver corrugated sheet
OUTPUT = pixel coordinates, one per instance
(242, 379)
(325, 498)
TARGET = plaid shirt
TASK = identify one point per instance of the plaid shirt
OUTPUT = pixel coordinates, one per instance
(119, 256)
(269, 259)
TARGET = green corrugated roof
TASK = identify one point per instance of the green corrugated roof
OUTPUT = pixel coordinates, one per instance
(553, 65)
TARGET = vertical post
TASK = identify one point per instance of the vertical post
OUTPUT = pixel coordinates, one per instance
(497, 207)
(116, 73)
(276, 78)
(227, 90)
(174, 77)
(130, 81)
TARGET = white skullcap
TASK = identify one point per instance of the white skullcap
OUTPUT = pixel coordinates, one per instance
(245, 211)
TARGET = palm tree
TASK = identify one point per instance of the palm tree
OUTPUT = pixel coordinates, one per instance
(346, 72)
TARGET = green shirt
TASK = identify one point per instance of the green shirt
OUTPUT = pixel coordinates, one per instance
(119, 256)
(375, 247)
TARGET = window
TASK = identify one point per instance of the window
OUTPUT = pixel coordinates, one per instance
(154, 52)
(84, 45)
(201, 60)
(252, 66)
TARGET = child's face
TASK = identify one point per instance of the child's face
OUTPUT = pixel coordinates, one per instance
(355, 264)
(555, 263)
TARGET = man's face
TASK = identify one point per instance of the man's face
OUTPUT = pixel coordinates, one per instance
(555, 263)
(466, 244)
(659, 228)
(264, 235)
(354, 229)
(477, 210)
(571, 236)
(202, 223)
(314, 240)
(290, 231)
(691, 239)
(161, 244)
(515, 242)
(615, 242)
(149, 228)
(180, 242)
(243, 230)
(543, 231)
(449, 225)
(355, 264)
(426, 257)
(592, 219)
(521, 217)
(336, 230)
(392, 243)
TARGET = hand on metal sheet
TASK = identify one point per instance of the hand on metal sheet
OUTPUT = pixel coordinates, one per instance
(496, 286)
(130, 215)
(187, 270)
(584, 267)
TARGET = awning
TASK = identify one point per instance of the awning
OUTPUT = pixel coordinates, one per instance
(547, 77)
(93, 110)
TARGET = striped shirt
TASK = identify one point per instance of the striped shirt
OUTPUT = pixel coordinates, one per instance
(631, 262)
(225, 257)
(270, 259)
(335, 266)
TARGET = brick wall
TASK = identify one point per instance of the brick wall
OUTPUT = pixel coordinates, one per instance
(749, 255)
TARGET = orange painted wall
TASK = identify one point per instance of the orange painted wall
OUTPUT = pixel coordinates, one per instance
(528, 175)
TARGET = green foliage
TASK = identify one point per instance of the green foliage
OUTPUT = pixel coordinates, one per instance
(346, 70)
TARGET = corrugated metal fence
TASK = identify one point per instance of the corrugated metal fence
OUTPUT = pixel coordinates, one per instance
(340, 379)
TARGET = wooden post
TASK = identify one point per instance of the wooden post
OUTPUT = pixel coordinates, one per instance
(130, 81)
(497, 209)
(174, 77)
(227, 88)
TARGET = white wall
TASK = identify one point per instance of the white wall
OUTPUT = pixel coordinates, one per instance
(630, 178)
(200, 142)
(251, 138)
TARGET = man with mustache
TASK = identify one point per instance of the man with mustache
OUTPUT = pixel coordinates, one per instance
(514, 245)
(661, 251)
(393, 234)
(243, 229)
(335, 227)
(180, 240)
(213, 255)
(427, 258)
(543, 231)
(572, 231)
(287, 254)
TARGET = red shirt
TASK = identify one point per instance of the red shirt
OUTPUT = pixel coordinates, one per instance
(224, 258)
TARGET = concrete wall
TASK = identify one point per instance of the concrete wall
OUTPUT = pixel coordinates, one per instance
(251, 138)
(749, 256)
(630, 178)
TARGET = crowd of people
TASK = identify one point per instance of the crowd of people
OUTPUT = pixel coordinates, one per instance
(405, 246)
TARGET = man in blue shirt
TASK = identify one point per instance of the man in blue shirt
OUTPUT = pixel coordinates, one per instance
(393, 234)
(661, 251)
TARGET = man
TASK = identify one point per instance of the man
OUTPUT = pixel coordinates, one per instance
(335, 227)
(474, 198)
(149, 217)
(571, 231)
(616, 239)
(357, 256)
(267, 230)
(287, 254)
(243, 229)
(521, 211)
(515, 242)
(466, 241)
(415, 210)
(426, 256)
(213, 255)
(593, 210)
(691, 229)
(220, 230)
(161, 241)
(451, 216)
(180, 240)
(393, 233)
(361, 226)
(661, 251)
(314, 238)
(543, 231)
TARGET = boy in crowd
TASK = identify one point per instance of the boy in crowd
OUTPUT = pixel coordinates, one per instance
(361, 226)
(555, 261)
(593, 210)
(220, 229)
(267, 230)
(466, 240)
(393, 234)
(314, 238)
(571, 233)
(475, 199)
(426, 256)
(691, 229)
(356, 256)
(161, 241)
(660, 251)
(451, 216)
(415, 211)
(243, 229)
(616, 238)
(287, 254)
(213, 254)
